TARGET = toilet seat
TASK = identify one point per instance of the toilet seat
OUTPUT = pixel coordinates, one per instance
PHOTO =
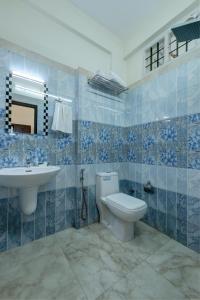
(125, 202)
(125, 207)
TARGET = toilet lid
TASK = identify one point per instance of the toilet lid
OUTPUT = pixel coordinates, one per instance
(125, 201)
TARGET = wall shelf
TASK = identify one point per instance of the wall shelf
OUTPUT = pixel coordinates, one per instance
(108, 86)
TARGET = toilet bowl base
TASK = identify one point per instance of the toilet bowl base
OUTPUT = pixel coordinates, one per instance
(123, 231)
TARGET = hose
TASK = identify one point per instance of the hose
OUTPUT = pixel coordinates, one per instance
(84, 208)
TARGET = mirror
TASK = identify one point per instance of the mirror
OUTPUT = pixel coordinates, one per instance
(26, 105)
(24, 117)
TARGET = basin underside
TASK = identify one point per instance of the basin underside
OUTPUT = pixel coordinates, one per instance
(28, 199)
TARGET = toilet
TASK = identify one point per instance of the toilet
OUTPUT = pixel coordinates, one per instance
(118, 211)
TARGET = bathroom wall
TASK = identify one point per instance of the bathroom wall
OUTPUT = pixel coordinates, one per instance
(163, 133)
(56, 200)
(101, 120)
(151, 133)
(97, 136)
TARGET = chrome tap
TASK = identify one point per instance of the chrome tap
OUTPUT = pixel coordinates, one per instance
(28, 162)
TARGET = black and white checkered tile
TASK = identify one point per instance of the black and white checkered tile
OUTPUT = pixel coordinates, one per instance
(45, 124)
(8, 102)
(8, 123)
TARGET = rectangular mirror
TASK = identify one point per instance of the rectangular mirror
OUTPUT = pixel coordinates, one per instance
(24, 117)
(26, 105)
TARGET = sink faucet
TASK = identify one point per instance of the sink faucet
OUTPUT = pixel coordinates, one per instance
(28, 162)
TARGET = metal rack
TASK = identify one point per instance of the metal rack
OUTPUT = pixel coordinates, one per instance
(108, 86)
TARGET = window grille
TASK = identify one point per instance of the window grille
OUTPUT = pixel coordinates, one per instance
(154, 56)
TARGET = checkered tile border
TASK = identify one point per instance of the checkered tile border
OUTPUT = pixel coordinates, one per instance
(8, 124)
(8, 102)
(45, 124)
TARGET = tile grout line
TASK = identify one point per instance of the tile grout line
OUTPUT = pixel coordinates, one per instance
(72, 269)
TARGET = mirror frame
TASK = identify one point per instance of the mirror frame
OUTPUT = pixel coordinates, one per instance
(9, 101)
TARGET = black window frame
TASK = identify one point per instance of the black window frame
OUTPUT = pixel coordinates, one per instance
(150, 57)
(178, 46)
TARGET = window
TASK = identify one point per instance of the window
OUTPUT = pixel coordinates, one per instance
(154, 56)
(176, 49)
(166, 48)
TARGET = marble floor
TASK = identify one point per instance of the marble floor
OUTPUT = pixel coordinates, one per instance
(91, 264)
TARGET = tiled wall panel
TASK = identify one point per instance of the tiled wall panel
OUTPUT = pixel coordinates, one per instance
(97, 136)
(163, 119)
(152, 134)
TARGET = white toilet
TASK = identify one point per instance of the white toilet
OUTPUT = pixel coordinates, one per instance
(118, 211)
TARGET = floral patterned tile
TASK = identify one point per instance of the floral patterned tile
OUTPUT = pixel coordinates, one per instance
(168, 157)
(104, 135)
(193, 160)
(193, 140)
(149, 157)
(193, 119)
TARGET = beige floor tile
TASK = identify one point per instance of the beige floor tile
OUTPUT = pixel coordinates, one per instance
(11, 259)
(143, 284)
(180, 265)
(91, 263)
(147, 240)
(45, 277)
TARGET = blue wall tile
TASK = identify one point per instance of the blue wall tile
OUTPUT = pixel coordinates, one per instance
(171, 226)
(194, 211)
(162, 201)
(27, 229)
(14, 223)
(171, 204)
(182, 231)
(92, 209)
(153, 199)
(152, 217)
(182, 207)
(193, 240)
(60, 210)
(3, 224)
(124, 186)
(70, 218)
(161, 221)
(50, 212)
(40, 229)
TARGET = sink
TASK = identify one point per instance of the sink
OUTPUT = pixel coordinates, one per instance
(27, 177)
(28, 181)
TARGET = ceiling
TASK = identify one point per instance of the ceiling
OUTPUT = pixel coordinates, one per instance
(122, 17)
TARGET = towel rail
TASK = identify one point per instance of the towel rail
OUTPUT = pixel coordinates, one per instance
(108, 86)
(62, 100)
(116, 99)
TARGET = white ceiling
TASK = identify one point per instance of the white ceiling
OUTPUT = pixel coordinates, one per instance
(122, 17)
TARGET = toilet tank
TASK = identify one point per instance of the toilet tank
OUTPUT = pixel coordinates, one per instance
(107, 183)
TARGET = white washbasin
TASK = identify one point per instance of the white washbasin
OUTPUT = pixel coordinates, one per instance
(27, 177)
(27, 180)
